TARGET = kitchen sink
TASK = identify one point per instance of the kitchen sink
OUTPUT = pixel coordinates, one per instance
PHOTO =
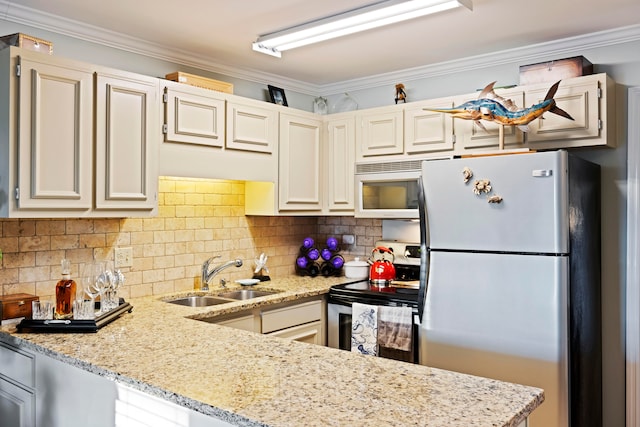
(223, 298)
(199, 301)
(244, 294)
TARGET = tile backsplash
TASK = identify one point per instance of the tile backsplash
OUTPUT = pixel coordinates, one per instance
(196, 220)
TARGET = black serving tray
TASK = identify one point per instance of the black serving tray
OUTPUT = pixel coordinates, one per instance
(57, 326)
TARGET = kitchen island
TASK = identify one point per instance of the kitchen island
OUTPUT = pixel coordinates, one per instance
(243, 378)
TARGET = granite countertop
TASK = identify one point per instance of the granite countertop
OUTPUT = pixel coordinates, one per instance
(251, 379)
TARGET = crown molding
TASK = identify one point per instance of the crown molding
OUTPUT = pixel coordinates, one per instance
(527, 54)
(523, 55)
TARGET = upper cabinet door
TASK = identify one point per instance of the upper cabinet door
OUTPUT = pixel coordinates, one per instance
(126, 134)
(251, 126)
(55, 134)
(428, 131)
(340, 164)
(194, 115)
(300, 165)
(380, 133)
(585, 99)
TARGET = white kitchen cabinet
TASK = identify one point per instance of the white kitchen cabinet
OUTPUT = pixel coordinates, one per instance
(48, 121)
(379, 132)
(126, 132)
(339, 165)
(590, 100)
(300, 162)
(310, 333)
(246, 322)
(39, 391)
(251, 126)
(193, 115)
(299, 321)
(17, 382)
(428, 131)
(53, 112)
(471, 136)
(302, 321)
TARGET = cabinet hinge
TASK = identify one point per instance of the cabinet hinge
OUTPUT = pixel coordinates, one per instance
(599, 92)
(600, 124)
(17, 193)
(18, 70)
(164, 128)
(453, 139)
(165, 97)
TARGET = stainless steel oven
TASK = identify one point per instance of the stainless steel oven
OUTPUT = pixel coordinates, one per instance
(401, 293)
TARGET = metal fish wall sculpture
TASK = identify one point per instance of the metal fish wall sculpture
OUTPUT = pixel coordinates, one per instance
(492, 107)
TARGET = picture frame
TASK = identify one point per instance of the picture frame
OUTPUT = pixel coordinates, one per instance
(277, 95)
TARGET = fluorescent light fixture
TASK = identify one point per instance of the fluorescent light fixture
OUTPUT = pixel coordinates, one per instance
(356, 20)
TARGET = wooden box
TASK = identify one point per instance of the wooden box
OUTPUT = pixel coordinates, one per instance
(202, 82)
(27, 42)
(16, 305)
(552, 71)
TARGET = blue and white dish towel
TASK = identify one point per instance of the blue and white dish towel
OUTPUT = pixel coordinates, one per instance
(364, 329)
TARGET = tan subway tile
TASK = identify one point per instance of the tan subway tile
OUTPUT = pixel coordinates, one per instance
(19, 228)
(204, 210)
(175, 248)
(106, 225)
(34, 274)
(19, 259)
(164, 236)
(166, 185)
(185, 186)
(185, 211)
(163, 262)
(141, 237)
(153, 250)
(49, 257)
(184, 259)
(140, 290)
(69, 241)
(20, 288)
(204, 234)
(167, 211)
(160, 288)
(50, 227)
(9, 276)
(175, 224)
(153, 224)
(131, 224)
(9, 244)
(152, 276)
(78, 226)
(34, 243)
(184, 235)
(92, 240)
(174, 273)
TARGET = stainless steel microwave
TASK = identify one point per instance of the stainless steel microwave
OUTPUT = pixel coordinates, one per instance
(388, 189)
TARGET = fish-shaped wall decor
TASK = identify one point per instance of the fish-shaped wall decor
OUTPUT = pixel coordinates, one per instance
(494, 108)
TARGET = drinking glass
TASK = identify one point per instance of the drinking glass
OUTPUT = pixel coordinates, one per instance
(41, 310)
(92, 279)
(109, 296)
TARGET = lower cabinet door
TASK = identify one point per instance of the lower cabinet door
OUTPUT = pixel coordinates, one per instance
(310, 333)
(17, 405)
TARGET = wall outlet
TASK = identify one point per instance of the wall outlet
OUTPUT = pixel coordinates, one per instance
(123, 257)
(348, 239)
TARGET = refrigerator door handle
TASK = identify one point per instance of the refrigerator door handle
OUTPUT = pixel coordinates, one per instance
(424, 265)
(541, 173)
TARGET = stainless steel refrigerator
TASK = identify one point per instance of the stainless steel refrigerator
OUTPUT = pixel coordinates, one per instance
(510, 279)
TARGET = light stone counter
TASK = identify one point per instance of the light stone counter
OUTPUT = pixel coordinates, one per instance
(251, 379)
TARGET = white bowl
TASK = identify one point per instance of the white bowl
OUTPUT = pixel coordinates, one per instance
(356, 269)
(248, 282)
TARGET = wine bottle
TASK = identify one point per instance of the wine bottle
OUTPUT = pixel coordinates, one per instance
(332, 244)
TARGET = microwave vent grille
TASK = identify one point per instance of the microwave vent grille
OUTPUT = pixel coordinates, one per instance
(403, 166)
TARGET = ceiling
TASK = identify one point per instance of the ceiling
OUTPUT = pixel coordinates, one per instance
(219, 33)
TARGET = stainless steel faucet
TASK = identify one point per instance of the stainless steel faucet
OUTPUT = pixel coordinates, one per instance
(208, 275)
